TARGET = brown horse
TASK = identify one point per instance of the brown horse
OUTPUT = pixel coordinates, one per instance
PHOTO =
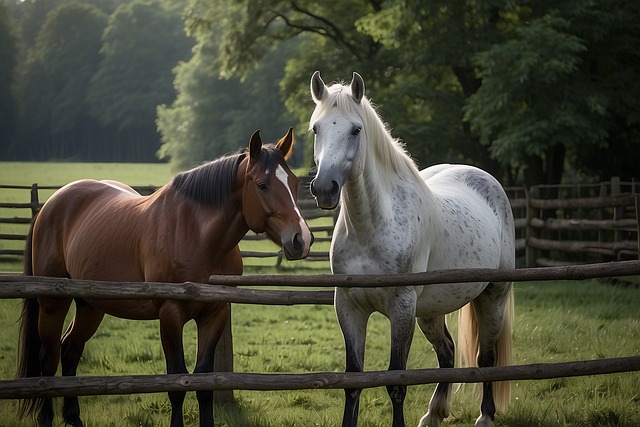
(186, 231)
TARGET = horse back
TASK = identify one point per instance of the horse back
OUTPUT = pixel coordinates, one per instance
(74, 233)
(476, 215)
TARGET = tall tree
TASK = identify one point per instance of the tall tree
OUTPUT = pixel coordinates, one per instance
(191, 126)
(212, 116)
(339, 37)
(449, 75)
(562, 92)
(142, 43)
(55, 80)
(8, 62)
(246, 31)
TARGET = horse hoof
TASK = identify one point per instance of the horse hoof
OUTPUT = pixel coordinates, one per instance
(429, 421)
(484, 421)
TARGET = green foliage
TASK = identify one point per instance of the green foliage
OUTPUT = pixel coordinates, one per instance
(188, 126)
(91, 76)
(553, 85)
(57, 75)
(522, 89)
(8, 62)
(212, 116)
(514, 87)
(511, 110)
(141, 44)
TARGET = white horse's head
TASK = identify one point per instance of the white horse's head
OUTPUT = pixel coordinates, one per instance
(338, 125)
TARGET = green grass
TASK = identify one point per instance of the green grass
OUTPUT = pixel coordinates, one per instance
(555, 322)
(58, 174)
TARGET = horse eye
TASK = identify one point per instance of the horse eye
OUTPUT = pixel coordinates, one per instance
(356, 130)
(263, 186)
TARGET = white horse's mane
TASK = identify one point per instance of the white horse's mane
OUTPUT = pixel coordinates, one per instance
(388, 149)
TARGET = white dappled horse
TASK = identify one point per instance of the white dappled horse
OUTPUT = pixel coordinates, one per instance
(395, 219)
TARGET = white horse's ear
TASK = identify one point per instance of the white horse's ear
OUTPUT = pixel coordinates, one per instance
(318, 88)
(286, 144)
(255, 145)
(357, 87)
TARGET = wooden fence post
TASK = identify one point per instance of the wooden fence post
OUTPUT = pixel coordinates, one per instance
(223, 361)
(35, 200)
(530, 252)
(638, 220)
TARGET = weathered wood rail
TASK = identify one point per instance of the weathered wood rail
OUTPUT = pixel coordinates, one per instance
(226, 290)
(24, 212)
(583, 223)
(105, 385)
(555, 225)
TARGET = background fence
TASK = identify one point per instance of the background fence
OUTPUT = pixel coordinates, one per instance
(555, 225)
(15, 218)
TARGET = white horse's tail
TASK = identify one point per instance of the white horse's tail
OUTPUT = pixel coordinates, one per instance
(468, 346)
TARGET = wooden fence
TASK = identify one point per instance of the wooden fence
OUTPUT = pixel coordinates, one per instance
(22, 213)
(227, 291)
(582, 223)
(555, 225)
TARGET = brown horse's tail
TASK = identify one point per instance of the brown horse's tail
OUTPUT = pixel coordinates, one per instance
(29, 344)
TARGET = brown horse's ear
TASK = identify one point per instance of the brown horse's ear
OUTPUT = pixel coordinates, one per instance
(286, 144)
(255, 144)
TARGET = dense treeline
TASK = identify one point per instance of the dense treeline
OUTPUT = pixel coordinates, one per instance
(89, 76)
(533, 92)
(91, 80)
(529, 90)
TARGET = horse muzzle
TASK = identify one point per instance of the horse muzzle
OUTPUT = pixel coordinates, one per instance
(327, 194)
(297, 248)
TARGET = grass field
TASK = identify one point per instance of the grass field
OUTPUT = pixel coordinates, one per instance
(555, 321)
(133, 174)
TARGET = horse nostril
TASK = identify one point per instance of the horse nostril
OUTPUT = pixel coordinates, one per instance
(298, 243)
(335, 188)
(312, 188)
(313, 238)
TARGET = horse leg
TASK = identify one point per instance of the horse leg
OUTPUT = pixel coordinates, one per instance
(172, 320)
(402, 318)
(435, 330)
(84, 325)
(210, 328)
(50, 321)
(353, 323)
(493, 310)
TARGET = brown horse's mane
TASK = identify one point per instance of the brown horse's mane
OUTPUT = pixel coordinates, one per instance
(212, 183)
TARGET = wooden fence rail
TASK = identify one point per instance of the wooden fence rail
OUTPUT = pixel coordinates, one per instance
(583, 223)
(24, 286)
(26, 210)
(108, 385)
(225, 288)
(555, 225)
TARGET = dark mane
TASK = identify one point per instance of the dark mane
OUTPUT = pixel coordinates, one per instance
(212, 182)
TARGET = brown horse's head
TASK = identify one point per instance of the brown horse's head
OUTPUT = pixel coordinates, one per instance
(270, 196)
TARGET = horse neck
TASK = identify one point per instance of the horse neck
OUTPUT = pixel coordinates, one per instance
(366, 200)
(218, 227)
